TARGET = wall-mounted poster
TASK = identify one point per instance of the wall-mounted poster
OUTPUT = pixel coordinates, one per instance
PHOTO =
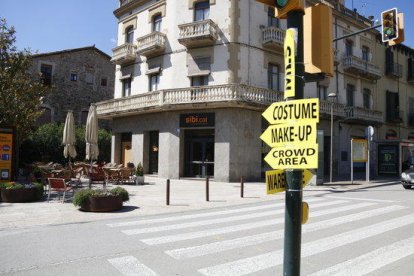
(388, 159)
(6, 155)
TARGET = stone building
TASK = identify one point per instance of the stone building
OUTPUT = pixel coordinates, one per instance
(193, 78)
(77, 78)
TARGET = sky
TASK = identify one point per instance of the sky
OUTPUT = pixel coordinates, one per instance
(53, 25)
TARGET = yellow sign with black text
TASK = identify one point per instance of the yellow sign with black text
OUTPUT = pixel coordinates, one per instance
(289, 53)
(305, 111)
(298, 134)
(276, 180)
(298, 157)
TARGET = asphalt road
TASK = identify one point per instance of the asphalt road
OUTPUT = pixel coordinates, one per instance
(368, 231)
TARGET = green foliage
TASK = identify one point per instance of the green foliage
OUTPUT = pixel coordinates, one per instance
(15, 185)
(11, 186)
(39, 190)
(121, 192)
(20, 94)
(45, 144)
(82, 196)
(139, 170)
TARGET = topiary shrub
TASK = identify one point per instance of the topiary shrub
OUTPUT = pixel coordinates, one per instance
(83, 195)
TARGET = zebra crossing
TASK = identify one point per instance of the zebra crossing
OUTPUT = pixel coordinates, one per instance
(248, 239)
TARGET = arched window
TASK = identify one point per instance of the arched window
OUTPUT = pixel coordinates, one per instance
(156, 23)
(201, 11)
(129, 35)
(349, 47)
(366, 97)
(273, 76)
(272, 20)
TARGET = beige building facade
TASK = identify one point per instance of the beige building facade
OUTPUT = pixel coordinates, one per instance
(193, 78)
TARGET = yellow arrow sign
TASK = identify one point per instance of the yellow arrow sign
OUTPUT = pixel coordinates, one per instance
(298, 134)
(306, 111)
(276, 180)
(289, 53)
(298, 157)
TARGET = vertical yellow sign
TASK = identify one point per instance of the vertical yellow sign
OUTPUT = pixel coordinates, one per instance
(289, 52)
(6, 143)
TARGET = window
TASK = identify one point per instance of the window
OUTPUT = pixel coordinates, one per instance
(73, 77)
(366, 98)
(365, 53)
(349, 45)
(199, 81)
(392, 107)
(104, 82)
(273, 76)
(89, 79)
(129, 35)
(389, 61)
(350, 90)
(272, 20)
(201, 11)
(126, 87)
(322, 92)
(154, 81)
(46, 71)
(410, 69)
(156, 23)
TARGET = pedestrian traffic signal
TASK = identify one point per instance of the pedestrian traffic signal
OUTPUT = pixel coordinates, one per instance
(389, 22)
(282, 7)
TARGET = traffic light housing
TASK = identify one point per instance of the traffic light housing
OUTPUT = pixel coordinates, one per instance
(282, 7)
(389, 22)
(318, 36)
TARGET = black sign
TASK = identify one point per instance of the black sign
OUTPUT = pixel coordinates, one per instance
(197, 120)
(388, 159)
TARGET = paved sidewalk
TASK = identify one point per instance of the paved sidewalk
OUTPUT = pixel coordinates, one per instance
(186, 194)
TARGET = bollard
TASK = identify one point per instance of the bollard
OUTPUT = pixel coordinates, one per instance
(207, 189)
(168, 192)
(242, 187)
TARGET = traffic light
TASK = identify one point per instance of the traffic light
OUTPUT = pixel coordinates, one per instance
(282, 7)
(389, 22)
(401, 37)
(317, 36)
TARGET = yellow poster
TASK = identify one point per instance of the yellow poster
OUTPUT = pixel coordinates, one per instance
(359, 150)
(6, 149)
(289, 52)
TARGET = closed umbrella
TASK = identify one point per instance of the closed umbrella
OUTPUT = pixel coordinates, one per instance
(91, 136)
(69, 137)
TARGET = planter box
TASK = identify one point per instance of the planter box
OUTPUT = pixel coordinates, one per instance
(139, 180)
(18, 195)
(102, 204)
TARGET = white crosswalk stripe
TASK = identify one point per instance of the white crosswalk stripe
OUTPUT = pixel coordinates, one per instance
(180, 238)
(264, 261)
(130, 266)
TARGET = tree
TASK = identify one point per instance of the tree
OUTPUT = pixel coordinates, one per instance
(20, 93)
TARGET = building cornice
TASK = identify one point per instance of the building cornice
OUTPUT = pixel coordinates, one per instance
(134, 4)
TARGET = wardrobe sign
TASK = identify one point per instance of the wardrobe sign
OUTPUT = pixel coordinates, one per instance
(197, 120)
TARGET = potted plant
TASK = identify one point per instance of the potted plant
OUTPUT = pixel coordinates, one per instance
(100, 200)
(16, 192)
(139, 174)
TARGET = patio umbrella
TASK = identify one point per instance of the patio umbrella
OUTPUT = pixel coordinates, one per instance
(69, 137)
(91, 136)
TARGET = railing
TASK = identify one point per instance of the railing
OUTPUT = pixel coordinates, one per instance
(395, 70)
(362, 65)
(359, 113)
(337, 108)
(202, 94)
(273, 34)
(124, 51)
(154, 39)
(197, 29)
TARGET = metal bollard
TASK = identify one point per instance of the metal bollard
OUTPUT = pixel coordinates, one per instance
(242, 187)
(207, 189)
(168, 192)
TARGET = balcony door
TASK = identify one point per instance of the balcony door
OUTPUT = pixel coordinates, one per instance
(201, 11)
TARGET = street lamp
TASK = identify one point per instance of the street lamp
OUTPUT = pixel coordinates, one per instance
(332, 96)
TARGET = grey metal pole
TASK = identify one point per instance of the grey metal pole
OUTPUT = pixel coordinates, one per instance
(242, 187)
(331, 159)
(207, 189)
(168, 192)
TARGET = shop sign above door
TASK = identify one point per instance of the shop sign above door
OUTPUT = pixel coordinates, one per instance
(197, 120)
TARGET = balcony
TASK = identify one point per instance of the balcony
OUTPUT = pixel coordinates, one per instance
(325, 109)
(273, 38)
(199, 33)
(358, 66)
(361, 115)
(152, 44)
(394, 116)
(394, 70)
(236, 95)
(124, 54)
